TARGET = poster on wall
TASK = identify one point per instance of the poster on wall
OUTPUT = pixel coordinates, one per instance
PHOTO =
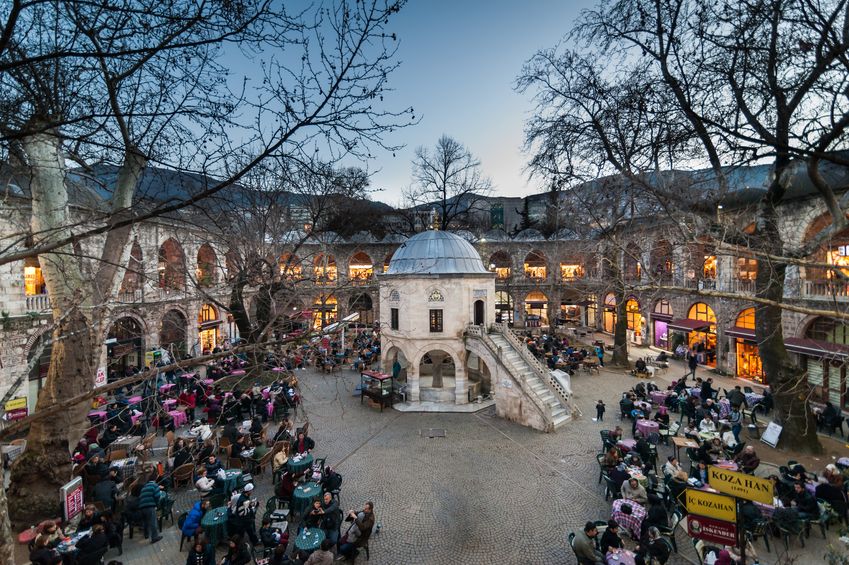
(71, 495)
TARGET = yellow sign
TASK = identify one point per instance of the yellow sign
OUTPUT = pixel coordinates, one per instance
(16, 403)
(740, 485)
(711, 505)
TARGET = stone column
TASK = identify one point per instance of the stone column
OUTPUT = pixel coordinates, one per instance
(461, 393)
(413, 383)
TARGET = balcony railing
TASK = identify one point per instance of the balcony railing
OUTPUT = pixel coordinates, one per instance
(38, 303)
(826, 289)
(701, 284)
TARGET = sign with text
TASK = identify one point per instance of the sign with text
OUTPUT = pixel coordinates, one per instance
(100, 378)
(71, 495)
(16, 408)
(708, 529)
(771, 434)
(711, 505)
(740, 485)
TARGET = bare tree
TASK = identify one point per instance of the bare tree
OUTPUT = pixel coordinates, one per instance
(757, 81)
(134, 82)
(448, 177)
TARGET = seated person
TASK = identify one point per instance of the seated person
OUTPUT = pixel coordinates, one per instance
(750, 514)
(728, 438)
(691, 430)
(92, 546)
(271, 537)
(672, 467)
(633, 459)
(303, 444)
(643, 448)
(652, 549)
(640, 367)
(699, 472)
(707, 425)
(805, 502)
(109, 436)
(662, 357)
(201, 431)
(633, 490)
(204, 482)
(89, 518)
(212, 465)
(285, 486)
(610, 538)
(747, 459)
(611, 459)
(50, 532)
(677, 485)
(331, 480)
(43, 555)
(662, 417)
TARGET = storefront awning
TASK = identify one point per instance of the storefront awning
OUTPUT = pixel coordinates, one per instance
(208, 325)
(689, 325)
(660, 316)
(744, 333)
(817, 348)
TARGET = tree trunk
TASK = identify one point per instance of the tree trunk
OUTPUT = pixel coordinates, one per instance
(620, 333)
(787, 381)
(46, 463)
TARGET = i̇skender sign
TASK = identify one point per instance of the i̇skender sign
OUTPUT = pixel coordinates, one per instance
(711, 505)
(740, 485)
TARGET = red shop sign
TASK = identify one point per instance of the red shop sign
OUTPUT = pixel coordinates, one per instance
(711, 529)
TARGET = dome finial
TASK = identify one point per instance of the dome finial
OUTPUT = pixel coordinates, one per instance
(434, 219)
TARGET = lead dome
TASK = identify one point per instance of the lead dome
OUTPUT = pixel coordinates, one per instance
(436, 253)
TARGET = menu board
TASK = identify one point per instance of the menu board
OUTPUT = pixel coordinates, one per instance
(71, 495)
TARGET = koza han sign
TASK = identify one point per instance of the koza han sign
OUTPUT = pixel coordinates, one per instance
(740, 485)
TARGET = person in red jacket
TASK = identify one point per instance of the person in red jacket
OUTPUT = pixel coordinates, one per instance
(188, 399)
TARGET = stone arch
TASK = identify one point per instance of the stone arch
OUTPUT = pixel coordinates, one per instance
(360, 267)
(835, 251)
(501, 263)
(504, 304)
(134, 273)
(207, 261)
(174, 331)
(536, 309)
(535, 265)
(438, 367)
(396, 354)
(290, 265)
(126, 342)
(479, 375)
(324, 268)
(172, 265)
(661, 259)
(362, 304)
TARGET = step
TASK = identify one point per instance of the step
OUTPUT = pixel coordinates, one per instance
(560, 421)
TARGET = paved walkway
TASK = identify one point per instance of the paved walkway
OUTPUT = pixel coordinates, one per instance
(490, 491)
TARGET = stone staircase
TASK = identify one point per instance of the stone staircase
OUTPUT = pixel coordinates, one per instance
(532, 376)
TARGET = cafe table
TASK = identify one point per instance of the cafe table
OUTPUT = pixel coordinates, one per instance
(626, 444)
(68, 545)
(659, 396)
(127, 443)
(637, 473)
(726, 464)
(179, 416)
(647, 427)
(135, 399)
(214, 524)
(304, 495)
(697, 392)
(620, 557)
(310, 539)
(231, 480)
(707, 436)
(643, 405)
(126, 468)
(164, 389)
(684, 442)
(100, 415)
(169, 403)
(279, 369)
(299, 463)
(724, 408)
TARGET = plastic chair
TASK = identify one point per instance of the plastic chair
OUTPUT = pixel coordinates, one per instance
(181, 520)
(761, 529)
(668, 533)
(600, 458)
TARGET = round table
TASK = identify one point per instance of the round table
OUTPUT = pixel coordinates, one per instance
(231, 482)
(70, 547)
(298, 466)
(304, 495)
(647, 427)
(708, 435)
(310, 539)
(658, 396)
(626, 444)
(621, 557)
(727, 465)
(214, 524)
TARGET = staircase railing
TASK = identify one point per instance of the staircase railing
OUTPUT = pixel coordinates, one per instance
(543, 372)
(517, 373)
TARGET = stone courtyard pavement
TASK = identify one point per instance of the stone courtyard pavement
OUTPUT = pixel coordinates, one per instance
(489, 492)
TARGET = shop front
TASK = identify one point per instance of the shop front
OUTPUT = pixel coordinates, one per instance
(824, 355)
(536, 305)
(609, 316)
(748, 359)
(699, 328)
(208, 324)
(503, 307)
(635, 321)
(660, 318)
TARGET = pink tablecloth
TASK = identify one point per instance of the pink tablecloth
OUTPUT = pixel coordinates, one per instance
(180, 418)
(626, 444)
(134, 400)
(279, 369)
(622, 557)
(136, 416)
(727, 465)
(208, 382)
(166, 387)
(99, 414)
(169, 403)
(658, 396)
(647, 427)
(237, 373)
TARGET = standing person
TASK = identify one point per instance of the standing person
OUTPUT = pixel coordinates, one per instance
(599, 351)
(331, 516)
(358, 532)
(599, 411)
(692, 363)
(148, 501)
(245, 513)
(736, 421)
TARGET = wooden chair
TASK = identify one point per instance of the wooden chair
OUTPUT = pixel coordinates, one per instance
(234, 462)
(170, 437)
(224, 446)
(147, 445)
(264, 461)
(183, 474)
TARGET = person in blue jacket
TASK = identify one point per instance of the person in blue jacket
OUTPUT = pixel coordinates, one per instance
(193, 518)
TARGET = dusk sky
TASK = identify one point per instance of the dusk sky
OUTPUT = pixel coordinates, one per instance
(460, 59)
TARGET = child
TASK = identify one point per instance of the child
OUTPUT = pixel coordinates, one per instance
(599, 411)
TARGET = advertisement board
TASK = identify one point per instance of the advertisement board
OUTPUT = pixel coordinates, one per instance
(711, 505)
(711, 530)
(71, 495)
(16, 408)
(740, 485)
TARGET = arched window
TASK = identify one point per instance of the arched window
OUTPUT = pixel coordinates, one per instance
(324, 268)
(360, 268)
(290, 266)
(206, 266)
(33, 277)
(500, 264)
(172, 266)
(635, 318)
(134, 274)
(535, 266)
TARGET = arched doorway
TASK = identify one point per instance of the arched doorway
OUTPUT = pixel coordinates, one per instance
(206, 266)
(536, 309)
(500, 264)
(503, 307)
(609, 312)
(324, 311)
(635, 319)
(479, 377)
(437, 371)
(324, 268)
(748, 359)
(125, 346)
(172, 333)
(362, 304)
(172, 266)
(703, 340)
(661, 316)
(360, 268)
(479, 313)
(396, 364)
(208, 324)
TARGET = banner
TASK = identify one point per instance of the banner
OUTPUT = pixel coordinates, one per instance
(740, 485)
(711, 505)
(100, 378)
(708, 529)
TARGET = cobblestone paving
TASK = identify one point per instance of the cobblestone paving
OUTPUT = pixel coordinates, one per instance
(489, 492)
